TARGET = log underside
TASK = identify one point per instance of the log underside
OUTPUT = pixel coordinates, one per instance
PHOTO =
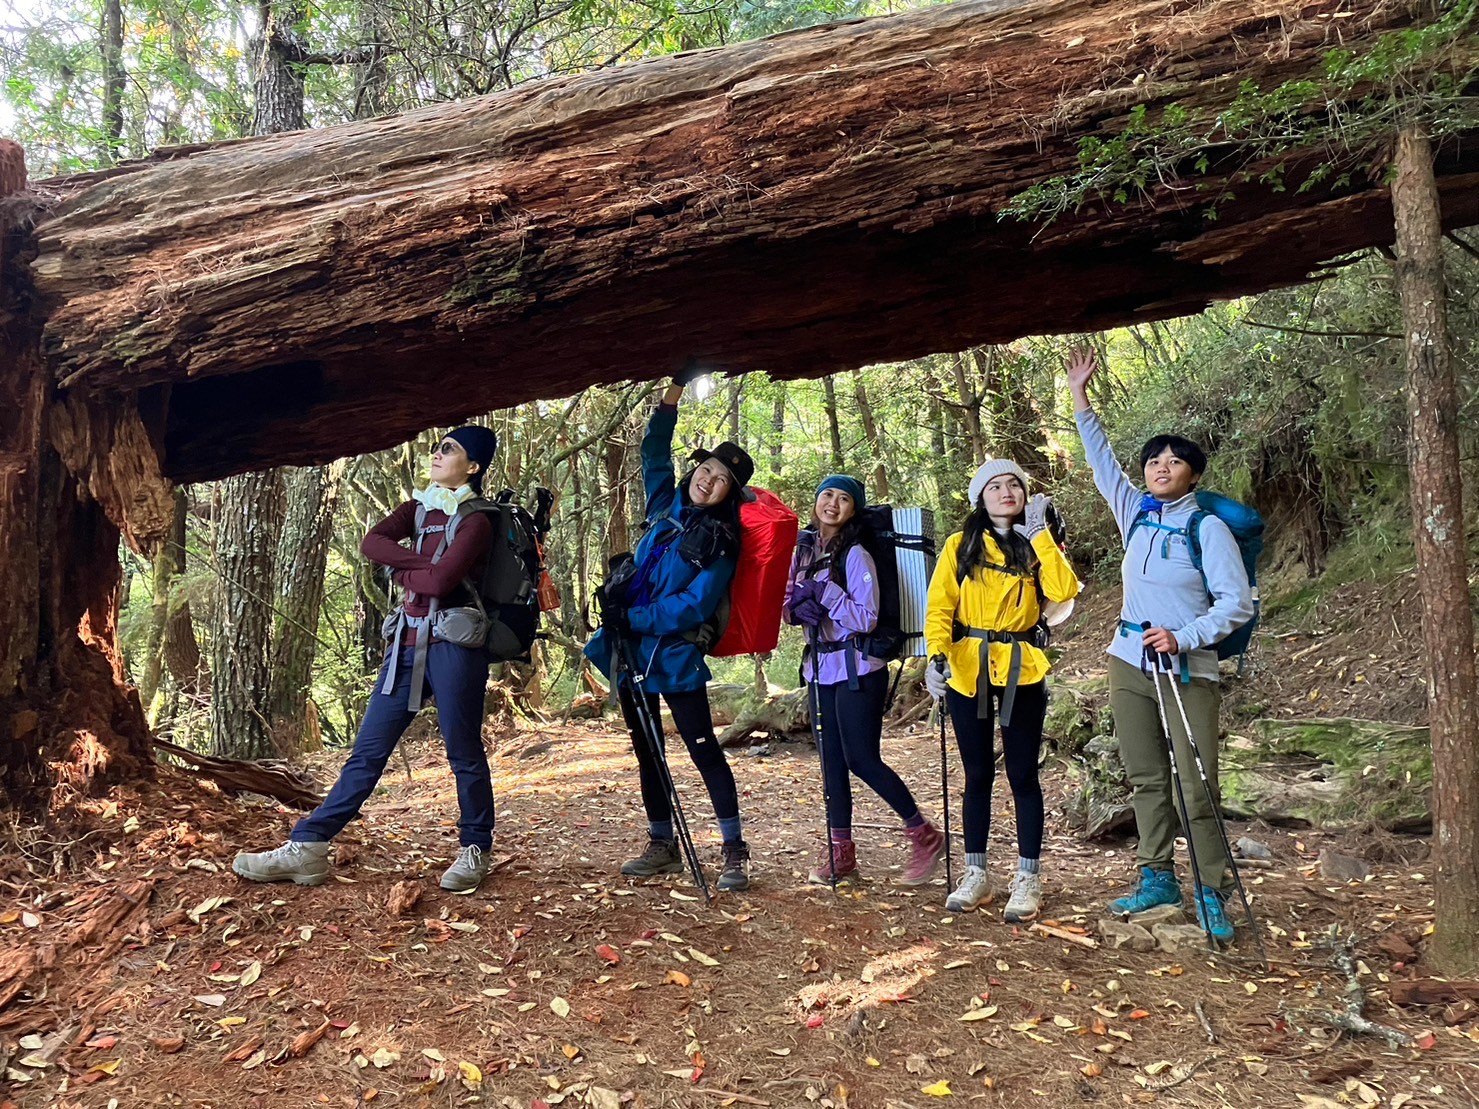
(803, 204)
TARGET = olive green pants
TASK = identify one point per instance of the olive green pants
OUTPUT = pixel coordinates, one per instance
(1137, 724)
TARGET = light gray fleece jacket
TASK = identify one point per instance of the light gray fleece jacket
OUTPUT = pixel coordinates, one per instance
(1162, 586)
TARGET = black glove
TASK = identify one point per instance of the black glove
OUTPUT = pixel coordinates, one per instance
(693, 368)
(612, 609)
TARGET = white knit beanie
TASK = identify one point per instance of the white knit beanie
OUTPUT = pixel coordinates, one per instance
(994, 467)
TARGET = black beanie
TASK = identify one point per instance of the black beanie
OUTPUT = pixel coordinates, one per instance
(481, 444)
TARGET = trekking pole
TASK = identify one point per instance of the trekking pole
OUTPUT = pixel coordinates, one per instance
(1216, 806)
(1153, 659)
(815, 693)
(938, 662)
(653, 734)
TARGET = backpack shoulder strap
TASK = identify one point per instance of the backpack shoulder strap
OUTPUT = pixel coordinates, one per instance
(1194, 539)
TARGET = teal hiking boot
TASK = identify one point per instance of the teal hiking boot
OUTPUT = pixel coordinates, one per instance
(1157, 887)
(1212, 916)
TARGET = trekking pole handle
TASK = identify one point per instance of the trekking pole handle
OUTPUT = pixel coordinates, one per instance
(938, 662)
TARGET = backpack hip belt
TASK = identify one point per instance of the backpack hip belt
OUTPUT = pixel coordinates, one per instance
(988, 636)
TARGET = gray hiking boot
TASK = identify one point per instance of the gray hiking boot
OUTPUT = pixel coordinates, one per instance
(974, 890)
(307, 864)
(1026, 900)
(735, 875)
(661, 857)
(467, 871)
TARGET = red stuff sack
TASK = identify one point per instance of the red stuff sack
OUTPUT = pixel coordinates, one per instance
(767, 540)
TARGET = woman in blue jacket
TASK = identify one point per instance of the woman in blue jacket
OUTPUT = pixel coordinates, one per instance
(680, 572)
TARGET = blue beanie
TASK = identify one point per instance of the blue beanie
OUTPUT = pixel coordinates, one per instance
(481, 444)
(849, 485)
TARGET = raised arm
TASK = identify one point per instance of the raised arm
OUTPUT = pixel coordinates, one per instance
(1114, 484)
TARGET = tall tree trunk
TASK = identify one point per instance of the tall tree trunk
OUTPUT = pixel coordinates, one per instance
(279, 74)
(250, 508)
(778, 430)
(736, 396)
(834, 427)
(312, 493)
(969, 405)
(162, 576)
(614, 457)
(1438, 531)
(248, 513)
(870, 429)
(181, 649)
(114, 80)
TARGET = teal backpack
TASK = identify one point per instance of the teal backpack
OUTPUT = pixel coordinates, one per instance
(1246, 526)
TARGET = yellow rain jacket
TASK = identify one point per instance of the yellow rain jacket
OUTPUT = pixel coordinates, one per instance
(994, 600)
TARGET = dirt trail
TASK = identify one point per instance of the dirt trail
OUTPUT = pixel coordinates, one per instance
(562, 983)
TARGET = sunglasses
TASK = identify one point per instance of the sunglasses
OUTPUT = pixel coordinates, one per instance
(446, 446)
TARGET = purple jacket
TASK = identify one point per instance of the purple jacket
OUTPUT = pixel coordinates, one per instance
(850, 611)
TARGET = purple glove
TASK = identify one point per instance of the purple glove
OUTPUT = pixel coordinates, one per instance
(805, 589)
(809, 611)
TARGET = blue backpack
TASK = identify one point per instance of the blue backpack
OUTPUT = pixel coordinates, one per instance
(1246, 526)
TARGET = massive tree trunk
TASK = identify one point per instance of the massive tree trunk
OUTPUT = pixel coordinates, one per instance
(804, 204)
(1447, 618)
(311, 492)
(248, 516)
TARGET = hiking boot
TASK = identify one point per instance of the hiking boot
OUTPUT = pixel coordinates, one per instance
(926, 845)
(1026, 898)
(307, 864)
(661, 857)
(1157, 887)
(1211, 916)
(836, 865)
(467, 871)
(974, 890)
(735, 875)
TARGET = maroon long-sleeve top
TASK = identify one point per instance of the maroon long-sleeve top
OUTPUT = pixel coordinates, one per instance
(413, 570)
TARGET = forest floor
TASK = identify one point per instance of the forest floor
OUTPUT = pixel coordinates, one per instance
(156, 977)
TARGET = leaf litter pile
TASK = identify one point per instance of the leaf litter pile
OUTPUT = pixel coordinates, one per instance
(148, 974)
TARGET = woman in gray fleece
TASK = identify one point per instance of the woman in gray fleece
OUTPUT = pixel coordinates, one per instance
(1171, 618)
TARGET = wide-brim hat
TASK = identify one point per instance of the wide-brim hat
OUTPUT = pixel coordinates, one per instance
(735, 458)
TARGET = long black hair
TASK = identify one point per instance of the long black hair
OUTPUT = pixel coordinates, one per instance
(1019, 556)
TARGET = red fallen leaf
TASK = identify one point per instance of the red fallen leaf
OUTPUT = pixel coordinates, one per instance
(1426, 1042)
(521, 931)
(815, 1020)
(91, 1076)
(648, 934)
(1139, 1014)
(984, 995)
(169, 1045)
(698, 1066)
(215, 966)
(609, 953)
(993, 981)
(102, 1043)
(341, 1025)
(539, 1103)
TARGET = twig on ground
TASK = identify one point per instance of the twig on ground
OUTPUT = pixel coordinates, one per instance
(1164, 1086)
(1206, 1022)
(1352, 1020)
(1064, 934)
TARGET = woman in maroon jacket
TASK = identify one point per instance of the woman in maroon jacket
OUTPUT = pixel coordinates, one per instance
(455, 675)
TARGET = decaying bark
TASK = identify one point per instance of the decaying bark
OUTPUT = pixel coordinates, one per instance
(237, 776)
(811, 202)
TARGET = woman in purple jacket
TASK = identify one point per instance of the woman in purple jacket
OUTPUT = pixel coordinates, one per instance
(833, 595)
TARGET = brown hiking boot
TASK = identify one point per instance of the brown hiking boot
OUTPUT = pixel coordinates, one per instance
(836, 865)
(926, 845)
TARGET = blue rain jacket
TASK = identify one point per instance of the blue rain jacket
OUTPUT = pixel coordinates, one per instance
(683, 596)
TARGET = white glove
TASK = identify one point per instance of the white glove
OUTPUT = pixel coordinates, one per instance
(1034, 517)
(936, 679)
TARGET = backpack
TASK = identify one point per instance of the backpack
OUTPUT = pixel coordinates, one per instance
(508, 589)
(1246, 526)
(748, 619)
(901, 542)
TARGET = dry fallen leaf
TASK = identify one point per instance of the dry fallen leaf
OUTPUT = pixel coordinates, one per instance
(560, 1006)
(979, 1014)
(936, 1089)
(678, 978)
(251, 974)
(609, 953)
(384, 1057)
(470, 1075)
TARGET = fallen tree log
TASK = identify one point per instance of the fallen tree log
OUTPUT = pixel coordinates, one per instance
(805, 203)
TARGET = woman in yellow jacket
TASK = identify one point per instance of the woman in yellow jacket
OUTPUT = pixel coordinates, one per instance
(986, 600)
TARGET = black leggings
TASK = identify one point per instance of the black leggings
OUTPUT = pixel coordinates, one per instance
(696, 726)
(1021, 741)
(852, 732)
